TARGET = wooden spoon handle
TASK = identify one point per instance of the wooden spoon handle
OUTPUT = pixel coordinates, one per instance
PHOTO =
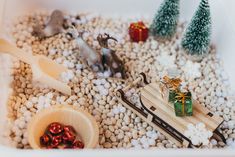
(6, 47)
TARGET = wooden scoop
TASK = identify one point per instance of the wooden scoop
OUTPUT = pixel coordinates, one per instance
(44, 70)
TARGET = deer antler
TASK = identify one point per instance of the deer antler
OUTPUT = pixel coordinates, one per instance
(103, 39)
(109, 37)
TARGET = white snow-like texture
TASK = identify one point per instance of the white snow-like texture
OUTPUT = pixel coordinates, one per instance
(166, 60)
(102, 86)
(198, 134)
(173, 72)
(68, 64)
(192, 70)
(118, 109)
(67, 76)
(41, 102)
(145, 141)
(66, 53)
(52, 51)
(104, 74)
(231, 144)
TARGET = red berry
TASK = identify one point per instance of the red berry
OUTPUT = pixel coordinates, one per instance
(45, 140)
(56, 141)
(69, 128)
(68, 137)
(78, 145)
(68, 146)
(55, 128)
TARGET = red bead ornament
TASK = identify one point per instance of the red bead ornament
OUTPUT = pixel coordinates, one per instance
(55, 128)
(57, 136)
(68, 137)
(138, 32)
(69, 128)
(45, 140)
(78, 145)
(56, 141)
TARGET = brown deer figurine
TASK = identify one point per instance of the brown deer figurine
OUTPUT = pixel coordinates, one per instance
(109, 58)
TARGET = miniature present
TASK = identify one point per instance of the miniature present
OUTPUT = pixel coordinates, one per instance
(138, 32)
(171, 97)
(172, 86)
(183, 104)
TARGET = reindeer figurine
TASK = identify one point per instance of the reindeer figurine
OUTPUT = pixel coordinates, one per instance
(90, 56)
(109, 58)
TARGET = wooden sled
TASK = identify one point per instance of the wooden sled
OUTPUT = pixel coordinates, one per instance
(158, 113)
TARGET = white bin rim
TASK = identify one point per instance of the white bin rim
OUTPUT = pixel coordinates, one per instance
(223, 36)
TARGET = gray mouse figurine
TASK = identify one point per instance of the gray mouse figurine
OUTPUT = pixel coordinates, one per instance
(53, 27)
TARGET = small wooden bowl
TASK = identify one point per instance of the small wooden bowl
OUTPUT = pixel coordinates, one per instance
(83, 123)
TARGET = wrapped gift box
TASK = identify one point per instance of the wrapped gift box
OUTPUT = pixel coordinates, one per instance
(138, 32)
(183, 104)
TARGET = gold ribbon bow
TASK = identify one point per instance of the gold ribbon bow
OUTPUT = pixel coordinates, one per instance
(172, 83)
(182, 97)
(138, 26)
(167, 83)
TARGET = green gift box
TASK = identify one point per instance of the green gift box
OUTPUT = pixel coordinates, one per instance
(183, 104)
(171, 97)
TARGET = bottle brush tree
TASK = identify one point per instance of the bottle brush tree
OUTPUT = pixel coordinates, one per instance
(165, 21)
(196, 40)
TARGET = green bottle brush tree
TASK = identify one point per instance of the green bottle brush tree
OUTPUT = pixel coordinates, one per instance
(165, 21)
(196, 40)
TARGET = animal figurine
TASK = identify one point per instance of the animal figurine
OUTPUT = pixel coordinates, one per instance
(53, 27)
(89, 55)
(109, 58)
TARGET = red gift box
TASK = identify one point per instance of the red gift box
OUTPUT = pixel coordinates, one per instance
(138, 32)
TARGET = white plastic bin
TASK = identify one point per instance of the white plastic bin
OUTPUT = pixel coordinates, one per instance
(223, 37)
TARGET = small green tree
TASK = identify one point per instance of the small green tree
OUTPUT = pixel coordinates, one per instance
(165, 21)
(196, 40)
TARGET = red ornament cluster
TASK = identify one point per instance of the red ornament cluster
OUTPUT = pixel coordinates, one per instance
(59, 136)
(138, 32)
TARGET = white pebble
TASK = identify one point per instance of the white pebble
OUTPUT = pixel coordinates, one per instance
(213, 142)
(52, 52)
(65, 53)
(116, 110)
(122, 109)
(134, 142)
(126, 119)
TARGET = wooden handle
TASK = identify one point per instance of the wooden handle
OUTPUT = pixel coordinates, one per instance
(142, 77)
(6, 47)
(51, 82)
(132, 84)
